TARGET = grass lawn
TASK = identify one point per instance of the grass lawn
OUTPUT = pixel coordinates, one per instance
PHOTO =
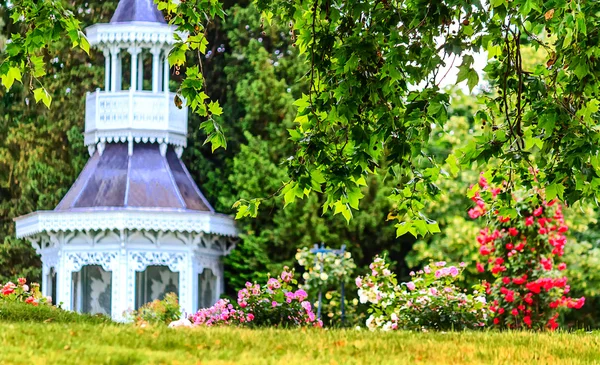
(85, 343)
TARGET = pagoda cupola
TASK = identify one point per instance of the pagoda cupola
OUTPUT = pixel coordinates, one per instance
(134, 225)
(135, 104)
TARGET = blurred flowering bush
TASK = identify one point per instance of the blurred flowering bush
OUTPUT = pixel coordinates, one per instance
(327, 271)
(158, 311)
(430, 301)
(279, 303)
(22, 292)
(522, 246)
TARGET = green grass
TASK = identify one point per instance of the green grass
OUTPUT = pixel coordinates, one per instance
(88, 343)
(19, 312)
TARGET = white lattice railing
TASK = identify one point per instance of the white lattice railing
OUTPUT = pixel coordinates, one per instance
(139, 111)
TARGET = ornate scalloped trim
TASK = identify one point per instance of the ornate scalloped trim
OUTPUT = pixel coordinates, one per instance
(166, 221)
(107, 259)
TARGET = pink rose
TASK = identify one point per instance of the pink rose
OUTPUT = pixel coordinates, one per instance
(273, 283)
(358, 282)
(301, 295)
(453, 270)
(306, 305)
(286, 276)
(410, 285)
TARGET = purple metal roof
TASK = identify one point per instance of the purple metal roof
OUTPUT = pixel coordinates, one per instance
(144, 180)
(137, 11)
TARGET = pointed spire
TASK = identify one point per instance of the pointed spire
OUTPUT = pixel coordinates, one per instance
(137, 11)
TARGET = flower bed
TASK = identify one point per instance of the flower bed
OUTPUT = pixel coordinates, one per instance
(430, 301)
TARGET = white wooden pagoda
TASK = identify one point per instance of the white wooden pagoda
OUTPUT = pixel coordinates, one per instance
(134, 225)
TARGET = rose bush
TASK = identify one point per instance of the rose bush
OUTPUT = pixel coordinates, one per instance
(22, 292)
(522, 247)
(278, 303)
(430, 301)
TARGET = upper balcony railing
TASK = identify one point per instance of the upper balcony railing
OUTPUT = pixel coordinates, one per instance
(141, 115)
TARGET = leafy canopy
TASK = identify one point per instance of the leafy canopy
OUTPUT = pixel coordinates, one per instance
(374, 92)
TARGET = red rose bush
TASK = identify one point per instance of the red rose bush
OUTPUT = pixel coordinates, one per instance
(523, 253)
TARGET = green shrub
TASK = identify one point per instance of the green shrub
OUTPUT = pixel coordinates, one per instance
(21, 312)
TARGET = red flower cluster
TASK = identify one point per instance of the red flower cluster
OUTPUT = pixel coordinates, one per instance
(522, 254)
(8, 288)
(23, 293)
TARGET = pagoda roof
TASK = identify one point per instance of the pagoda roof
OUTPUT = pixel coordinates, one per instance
(146, 179)
(137, 11)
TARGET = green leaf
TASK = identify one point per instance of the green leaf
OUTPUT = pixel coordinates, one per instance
(177, 55)
(302, 103)
(433, 228)
(289, 193)
(568, 38)
(268, 16)
(452, 162)
(421, 226)
(354, 196)
(473, 79)
(39, 67)
(41, 94)
(472, 191)
(83, 43)
(9, 79)
(339, 207)
(214, 108)
(553, 190)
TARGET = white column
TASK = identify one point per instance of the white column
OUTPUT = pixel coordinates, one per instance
(64, 285)
(140, 68)
(122, 283)
(166, 70)
(119, 73)
(134, 52)
(45, 273)
(159, 76)
(195, 283)
(186, 289)
(155, 68)
(106, 53)
(220, 281)
(114, 57)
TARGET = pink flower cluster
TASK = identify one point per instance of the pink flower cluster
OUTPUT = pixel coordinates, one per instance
(446, 271)
(221, 313)
(277, 303)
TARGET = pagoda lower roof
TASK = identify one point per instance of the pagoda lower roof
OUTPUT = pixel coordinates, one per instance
(147, 190)
(146, 179)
